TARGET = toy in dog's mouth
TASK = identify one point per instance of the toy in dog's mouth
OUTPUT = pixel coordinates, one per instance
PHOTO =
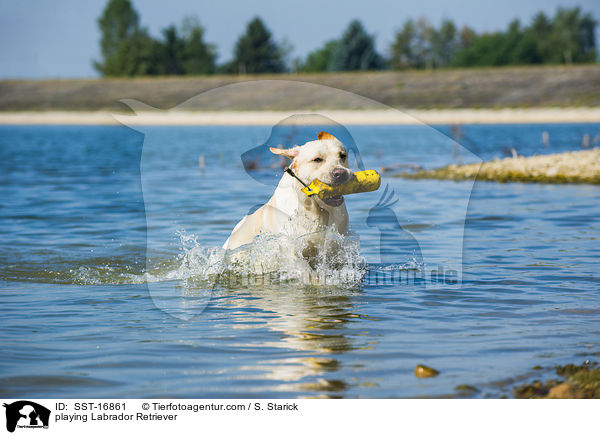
(332, 195)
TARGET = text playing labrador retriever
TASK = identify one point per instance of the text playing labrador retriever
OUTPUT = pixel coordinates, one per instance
(289, 211)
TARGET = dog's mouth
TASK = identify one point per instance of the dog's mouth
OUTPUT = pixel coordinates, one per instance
(334, 201)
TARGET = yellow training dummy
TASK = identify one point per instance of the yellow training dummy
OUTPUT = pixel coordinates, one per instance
(362, 181)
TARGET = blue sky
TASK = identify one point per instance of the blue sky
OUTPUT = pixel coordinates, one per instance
(59, 38)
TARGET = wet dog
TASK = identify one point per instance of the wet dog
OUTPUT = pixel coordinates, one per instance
(289, 211)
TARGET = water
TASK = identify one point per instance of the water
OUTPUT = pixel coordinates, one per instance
(110, 266)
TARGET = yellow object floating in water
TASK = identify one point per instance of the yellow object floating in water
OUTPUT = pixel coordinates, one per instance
(362, 181)
(422, 371)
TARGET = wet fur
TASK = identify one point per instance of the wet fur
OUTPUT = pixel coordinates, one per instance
(309, 214)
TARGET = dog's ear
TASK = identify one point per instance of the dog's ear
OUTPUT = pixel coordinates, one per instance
(290, 153)
(324, 135)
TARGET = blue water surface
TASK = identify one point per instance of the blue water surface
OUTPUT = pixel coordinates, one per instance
(83, 208)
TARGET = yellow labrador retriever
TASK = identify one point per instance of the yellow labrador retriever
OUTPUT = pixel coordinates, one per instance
(289, 211)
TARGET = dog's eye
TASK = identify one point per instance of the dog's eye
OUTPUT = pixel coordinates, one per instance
(317, 160)
(343, 156)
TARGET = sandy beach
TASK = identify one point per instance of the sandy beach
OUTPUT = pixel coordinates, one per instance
(350, 117)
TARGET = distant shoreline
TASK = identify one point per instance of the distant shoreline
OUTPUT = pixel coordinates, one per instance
(567, 167)
(349, 117)
(533, 87)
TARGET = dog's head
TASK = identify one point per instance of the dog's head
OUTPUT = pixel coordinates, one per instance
(325, 158)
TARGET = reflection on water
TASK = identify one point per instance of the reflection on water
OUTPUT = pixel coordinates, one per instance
(308, 321)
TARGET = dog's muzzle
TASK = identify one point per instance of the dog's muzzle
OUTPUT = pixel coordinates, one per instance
(339, 176)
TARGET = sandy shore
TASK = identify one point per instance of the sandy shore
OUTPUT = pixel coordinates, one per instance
(350, 117)
(569, 167)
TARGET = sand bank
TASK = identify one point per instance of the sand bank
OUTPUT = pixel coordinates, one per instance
(569, 167)
(350, 117)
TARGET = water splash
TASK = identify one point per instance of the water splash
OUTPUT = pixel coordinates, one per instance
(269, 259)
(193, 262)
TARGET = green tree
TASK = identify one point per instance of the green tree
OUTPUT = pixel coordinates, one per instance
(541, 28)
(356, 51)
(138, 55)
(444, 43)
(511, 39)
(483, 51)
(198, 56)
(256, 52)
(286, 48)
(526, 50)
(319, 60)
(171, 52)
(517, 46)
(420, 45)
(402, 48)
(587, 38)
(568, 37)
(118, 23)
(573, 36)
(422, 48)
(466, 38)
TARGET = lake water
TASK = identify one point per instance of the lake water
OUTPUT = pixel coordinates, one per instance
(112, 280)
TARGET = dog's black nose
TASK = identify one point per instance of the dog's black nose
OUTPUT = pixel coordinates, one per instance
(339, 175)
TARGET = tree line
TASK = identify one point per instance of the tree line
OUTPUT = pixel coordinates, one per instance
(128, 49)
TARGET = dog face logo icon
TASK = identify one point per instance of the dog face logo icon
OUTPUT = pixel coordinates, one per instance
(26, 414)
